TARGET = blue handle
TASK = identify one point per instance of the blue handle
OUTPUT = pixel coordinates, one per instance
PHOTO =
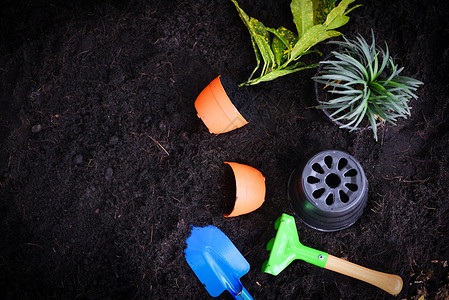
(244, 295)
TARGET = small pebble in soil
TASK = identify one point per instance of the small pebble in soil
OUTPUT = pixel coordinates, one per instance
(36, 128)
(108, 174)
(78, 159)
(34, 95)
(113, 140)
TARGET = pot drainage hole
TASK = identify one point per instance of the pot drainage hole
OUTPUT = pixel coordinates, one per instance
(332, 180)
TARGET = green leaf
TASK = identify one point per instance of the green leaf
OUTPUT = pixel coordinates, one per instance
(277, 73)
(290, 37)
(300, 65)
(243, 16)
(255, 29)
(361, 116)
(262, 39)
(313, 36)
(321, 9)
(338, 22)
(258, 57)
(266, 52)
(302, 11)
(259, 29)
(338, 14)
(373, 123)
(278, 48)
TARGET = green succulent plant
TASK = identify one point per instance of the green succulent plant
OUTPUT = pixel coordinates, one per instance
(364, 83)
(278, 50)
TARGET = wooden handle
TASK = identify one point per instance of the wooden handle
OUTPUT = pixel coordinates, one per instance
(388, 282)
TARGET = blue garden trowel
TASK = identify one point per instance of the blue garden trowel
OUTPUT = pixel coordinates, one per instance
(217, 263)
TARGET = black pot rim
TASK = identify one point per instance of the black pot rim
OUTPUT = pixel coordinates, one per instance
(240, 97)
(314, 210)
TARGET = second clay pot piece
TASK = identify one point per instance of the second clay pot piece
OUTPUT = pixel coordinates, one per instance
(250, 189)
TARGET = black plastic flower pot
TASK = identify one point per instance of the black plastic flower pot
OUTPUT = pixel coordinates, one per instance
(329, 191)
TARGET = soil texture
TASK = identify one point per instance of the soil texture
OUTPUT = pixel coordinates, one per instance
(105, 165)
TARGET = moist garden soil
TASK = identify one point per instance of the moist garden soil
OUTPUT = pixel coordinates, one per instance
(105, 165)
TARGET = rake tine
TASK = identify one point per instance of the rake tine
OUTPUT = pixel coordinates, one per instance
(270, 244)
(277, 223)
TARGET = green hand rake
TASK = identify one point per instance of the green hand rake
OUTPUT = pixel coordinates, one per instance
(285, 248)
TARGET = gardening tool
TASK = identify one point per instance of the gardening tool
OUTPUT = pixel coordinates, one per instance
(217, 263)
(285, 248)
(250, 189)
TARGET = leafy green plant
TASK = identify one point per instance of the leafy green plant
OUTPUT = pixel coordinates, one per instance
(280, 49)
(365, 82)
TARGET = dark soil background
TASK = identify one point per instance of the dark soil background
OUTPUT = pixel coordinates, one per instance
(104, 164)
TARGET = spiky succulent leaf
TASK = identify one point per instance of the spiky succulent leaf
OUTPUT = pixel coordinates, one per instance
(366, 83)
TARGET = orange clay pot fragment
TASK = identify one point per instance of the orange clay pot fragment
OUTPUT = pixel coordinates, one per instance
(216, 109)
(250, 189)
